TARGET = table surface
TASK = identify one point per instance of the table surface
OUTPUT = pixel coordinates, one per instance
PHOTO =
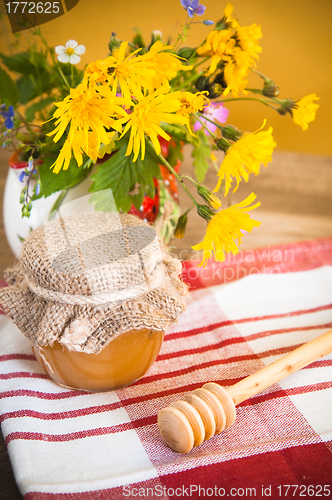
(296, 206)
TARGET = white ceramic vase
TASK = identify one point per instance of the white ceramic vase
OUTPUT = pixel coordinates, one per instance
(17, 227)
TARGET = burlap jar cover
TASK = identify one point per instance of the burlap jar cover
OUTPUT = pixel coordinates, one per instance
(85, 279)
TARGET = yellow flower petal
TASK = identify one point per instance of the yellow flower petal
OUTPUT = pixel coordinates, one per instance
(304, 111)
(88, 113)
(224, 228)
(191, 103)
(245, 157)
(147, 116)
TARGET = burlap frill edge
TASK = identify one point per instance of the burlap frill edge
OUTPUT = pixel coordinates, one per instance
(89, 328)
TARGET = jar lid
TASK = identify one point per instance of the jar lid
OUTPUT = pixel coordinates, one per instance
(92, 254)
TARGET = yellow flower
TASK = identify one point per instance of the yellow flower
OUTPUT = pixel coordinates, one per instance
(132, 73)
(88, 112)
(128, 72)
(225, 227)
(227, 17)
(146, 117)
(63, 158)
(181, 225)
(238, 51)
(211, 199)
(245, 157)
(191, 103)
(247, 37)
(219, 46)
(78, 148)
(96, 73)
(165, 65)
(234, 74)
(304, 111)
(243, 57)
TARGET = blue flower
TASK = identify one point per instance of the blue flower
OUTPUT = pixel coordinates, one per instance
(207, 22)
(30, 163)
(30, 166)
(8, 116)
(192, 7)
(28, 171)
(22, 175)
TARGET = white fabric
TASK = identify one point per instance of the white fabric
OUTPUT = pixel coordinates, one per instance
(112, 456)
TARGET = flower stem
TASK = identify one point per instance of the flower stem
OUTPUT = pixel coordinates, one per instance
(190, 179)
(188, 81)
(209, 120)
(26, 124)
(201, 62)
(255, 91)
(263, 101)
(177, 77)
(63, 77)
(206, 128)
(171, 169)
(259, 74)
(189, 209)
(182, 36)
(37, 32)
(58, 201)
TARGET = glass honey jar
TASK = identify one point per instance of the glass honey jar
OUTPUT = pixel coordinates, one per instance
(98, 293)
(122, 362)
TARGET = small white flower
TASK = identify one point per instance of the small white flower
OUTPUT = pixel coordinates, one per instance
(157, 34)
(70, 53)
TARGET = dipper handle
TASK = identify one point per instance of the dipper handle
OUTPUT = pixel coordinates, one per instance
(188, 422)
(288, 364)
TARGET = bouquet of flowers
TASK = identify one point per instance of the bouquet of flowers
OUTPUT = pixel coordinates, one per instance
(125, 119)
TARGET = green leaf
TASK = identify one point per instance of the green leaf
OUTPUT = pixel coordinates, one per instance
(18, 62)
(37, 106)
(121, 174)
(26, 89)
(138, 39)
(65, 179)
(116, 174)
(24, 62)
(8, 91)
(179, 131)
(35, 71)
(29, 87)
(201, 154)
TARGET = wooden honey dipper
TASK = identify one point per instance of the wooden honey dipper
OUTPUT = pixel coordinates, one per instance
(205, 412)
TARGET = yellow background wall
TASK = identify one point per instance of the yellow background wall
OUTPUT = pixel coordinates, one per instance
(297, 43)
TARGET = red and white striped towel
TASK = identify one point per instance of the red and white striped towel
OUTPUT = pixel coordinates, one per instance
(70, 445)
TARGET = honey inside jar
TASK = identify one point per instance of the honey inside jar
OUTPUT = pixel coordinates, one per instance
(121, 362)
